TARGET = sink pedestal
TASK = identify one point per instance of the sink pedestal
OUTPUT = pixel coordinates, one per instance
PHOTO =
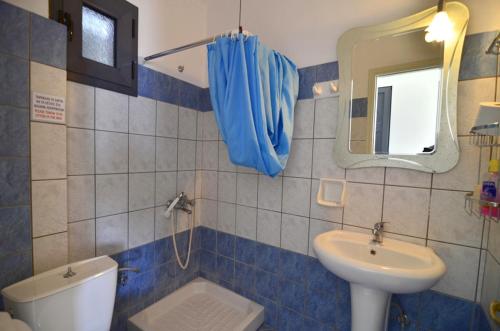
(369, 308)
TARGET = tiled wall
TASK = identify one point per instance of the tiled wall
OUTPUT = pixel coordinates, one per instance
(126, 157)
(119, 158)
(15, 222)
(422, 208)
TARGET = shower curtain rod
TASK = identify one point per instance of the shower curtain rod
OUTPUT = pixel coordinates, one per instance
(187, 46)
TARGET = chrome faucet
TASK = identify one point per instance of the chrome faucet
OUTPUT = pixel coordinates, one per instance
(378, 233)
(183, 203)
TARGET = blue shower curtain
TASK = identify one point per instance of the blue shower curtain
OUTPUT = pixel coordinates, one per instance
(253, 91)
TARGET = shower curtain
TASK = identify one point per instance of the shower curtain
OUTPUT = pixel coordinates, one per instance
(253, 91)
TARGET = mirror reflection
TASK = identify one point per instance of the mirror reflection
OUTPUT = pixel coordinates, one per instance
(395, 100)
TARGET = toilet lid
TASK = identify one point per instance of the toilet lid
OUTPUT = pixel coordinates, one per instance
(9, 324)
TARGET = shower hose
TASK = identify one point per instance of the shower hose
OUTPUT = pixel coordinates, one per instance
(168, 213)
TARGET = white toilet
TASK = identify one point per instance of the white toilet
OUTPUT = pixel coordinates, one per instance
(8, 323)
(76, 297)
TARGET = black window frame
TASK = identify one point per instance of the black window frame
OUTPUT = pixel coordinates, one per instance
(122, 77)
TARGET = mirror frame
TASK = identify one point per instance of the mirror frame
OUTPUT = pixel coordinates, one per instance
(447, 150)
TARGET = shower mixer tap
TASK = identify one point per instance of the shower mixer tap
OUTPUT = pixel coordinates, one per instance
(183, 203)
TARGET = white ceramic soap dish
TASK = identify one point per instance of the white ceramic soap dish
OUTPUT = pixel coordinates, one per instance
(331, 192)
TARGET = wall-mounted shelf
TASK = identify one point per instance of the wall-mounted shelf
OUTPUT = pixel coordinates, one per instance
(487, 135)
(489, 210)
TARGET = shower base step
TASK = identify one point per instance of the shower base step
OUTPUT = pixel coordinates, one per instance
(200, 306)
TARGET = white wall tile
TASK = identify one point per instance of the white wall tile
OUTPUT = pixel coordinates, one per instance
(111, 111)
(227, 217)
(303, 122)
(246, 189)
(494, 240)
(49, 214)
(199, 155)
(270, 192)
(79, 105)
(413, 240)
(80, 146)
(407, 177)
(47, 80)
(366, 175)
(318, 211)
(48, 151)
(187, 123)
(225, 163)
(50, 252)
(325, 118)
(407, 210)
(296, 196)
(210, 129)
(81, 198)
(299, 163)
(462, 265)
(210, 155)
(111, 234)
(142, 115)
(295, 233)
(317, 227)
(166, 154)
(166, 187)
(363, 204)
(209, 185)
(208, 213)
(187, 155)
(465, 174)
(141, 225)
(141, 153)
(81, 237)
(246, 222)
(227, 186)
(163, 228)
(246, 170)
(111, 194)
(324, 165)
(185, 183)
(167, 119)
(269, 227)
(450, 222)
(111, 152)
(198, 183)
(141, 191)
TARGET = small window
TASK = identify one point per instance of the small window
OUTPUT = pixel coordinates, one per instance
(102, 42)
(98, 41)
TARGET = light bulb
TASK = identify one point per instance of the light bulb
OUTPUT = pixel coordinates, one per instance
(440, 29)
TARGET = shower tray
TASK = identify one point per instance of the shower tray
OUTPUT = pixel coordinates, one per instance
(200, 306)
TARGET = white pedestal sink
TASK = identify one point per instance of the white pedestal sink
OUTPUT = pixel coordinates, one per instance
(375, 271)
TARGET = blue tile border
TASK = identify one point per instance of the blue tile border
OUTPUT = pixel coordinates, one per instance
(159, 86)
(15, 230)
(14, 30)
(159, 275)
(14, 131)
(48, 42)
(14, 85)
(298, 293)
(14, 181)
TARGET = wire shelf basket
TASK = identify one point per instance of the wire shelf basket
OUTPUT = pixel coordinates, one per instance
(487, 135)
(489, 210)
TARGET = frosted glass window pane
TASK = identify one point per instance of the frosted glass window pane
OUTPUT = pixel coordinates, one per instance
(98, 37)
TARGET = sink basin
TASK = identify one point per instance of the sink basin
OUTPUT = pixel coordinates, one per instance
(375, 271)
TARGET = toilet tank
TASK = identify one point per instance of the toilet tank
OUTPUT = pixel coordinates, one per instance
(51, 302)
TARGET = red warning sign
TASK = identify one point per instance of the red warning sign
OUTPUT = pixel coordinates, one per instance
(47, 108)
